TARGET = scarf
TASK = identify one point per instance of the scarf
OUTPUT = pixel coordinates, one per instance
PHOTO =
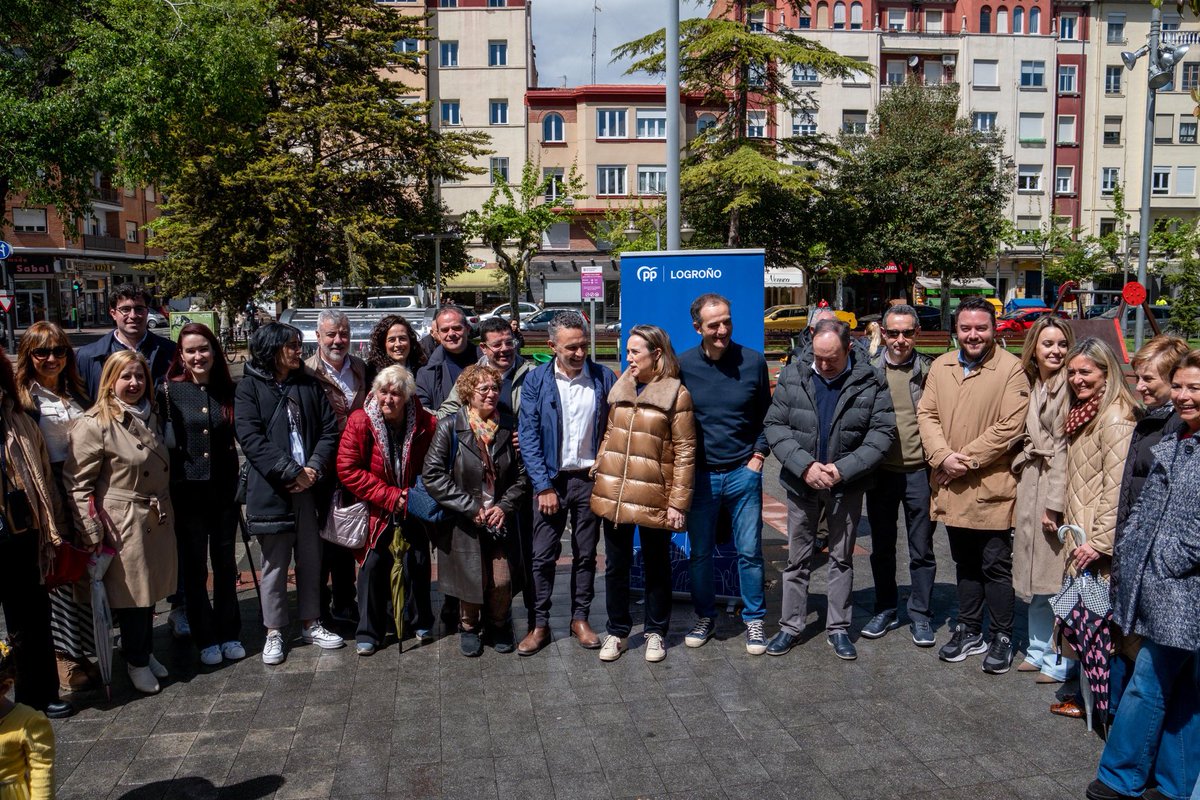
(1081, 414)
(395, 459)
(141, 411)
(485, 434)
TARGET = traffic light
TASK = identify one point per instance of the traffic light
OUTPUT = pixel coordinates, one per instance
(77, 287)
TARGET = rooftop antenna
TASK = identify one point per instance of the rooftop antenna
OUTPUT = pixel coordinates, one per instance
(595, 20)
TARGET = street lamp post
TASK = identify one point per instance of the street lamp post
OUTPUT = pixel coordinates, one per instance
(674, 232)
(437, 238)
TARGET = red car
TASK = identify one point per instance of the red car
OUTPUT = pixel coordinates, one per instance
(1021, 321)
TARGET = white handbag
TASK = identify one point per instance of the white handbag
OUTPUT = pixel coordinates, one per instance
(346, 526)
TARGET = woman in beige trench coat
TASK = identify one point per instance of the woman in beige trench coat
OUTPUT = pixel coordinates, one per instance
(118, 476)
(1041, 466)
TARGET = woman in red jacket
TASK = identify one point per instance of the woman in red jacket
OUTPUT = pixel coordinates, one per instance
(379, 458)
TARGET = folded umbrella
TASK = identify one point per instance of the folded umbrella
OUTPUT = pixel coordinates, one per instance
(102, 621)
(1083, 610)
(398, 548)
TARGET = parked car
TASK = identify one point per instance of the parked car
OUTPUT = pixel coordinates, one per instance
(1022, 320)
(795, 318)
(394, 301)
(1161, 313)
(156, 320)
(525, 310)
(541, 320)
(613, 327)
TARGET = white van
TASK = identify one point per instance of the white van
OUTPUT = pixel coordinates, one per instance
(394, 301)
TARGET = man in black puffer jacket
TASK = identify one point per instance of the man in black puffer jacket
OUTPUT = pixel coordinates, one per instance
(830, 425)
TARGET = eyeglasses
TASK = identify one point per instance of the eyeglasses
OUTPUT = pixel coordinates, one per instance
(482, 390)
(503, 344)
(42, 353)
(131, 311)
(907, 333)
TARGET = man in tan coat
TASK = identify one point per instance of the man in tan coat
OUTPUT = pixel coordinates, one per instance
(971, 413)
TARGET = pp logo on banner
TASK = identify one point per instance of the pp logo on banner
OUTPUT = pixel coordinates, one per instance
(647, 273)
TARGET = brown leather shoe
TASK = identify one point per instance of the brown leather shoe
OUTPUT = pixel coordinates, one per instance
(72, 675)
(1068, 708)
(535, 640)
(581, 630)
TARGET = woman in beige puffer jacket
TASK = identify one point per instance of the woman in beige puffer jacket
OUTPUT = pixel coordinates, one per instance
(644, 470)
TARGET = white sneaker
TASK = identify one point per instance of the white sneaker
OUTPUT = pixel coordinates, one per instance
(143, 679)
(158, 669)
(612, 648)
(177, 619)
(273, 652)
(316, 634)
(233, 651)
(211, 656)
(655, 649)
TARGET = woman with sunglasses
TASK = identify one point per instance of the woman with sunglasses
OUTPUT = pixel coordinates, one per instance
(51, 391)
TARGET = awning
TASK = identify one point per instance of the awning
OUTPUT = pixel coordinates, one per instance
(480, 280)
(890, 268)
(784, 276)
(970, 285)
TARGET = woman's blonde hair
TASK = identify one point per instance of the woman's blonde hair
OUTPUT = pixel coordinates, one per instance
(1029, 351)
(874, 334)
(1163, 352)
(666, 365)
(1116, 390)
(106, 398)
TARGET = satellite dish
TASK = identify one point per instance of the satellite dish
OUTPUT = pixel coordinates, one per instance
(913, 61)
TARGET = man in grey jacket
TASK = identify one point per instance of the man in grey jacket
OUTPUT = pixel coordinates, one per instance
(830, 425)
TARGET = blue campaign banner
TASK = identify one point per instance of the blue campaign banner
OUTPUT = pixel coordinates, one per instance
(658, 289)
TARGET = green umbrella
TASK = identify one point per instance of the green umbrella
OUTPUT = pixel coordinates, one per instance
(398, 548)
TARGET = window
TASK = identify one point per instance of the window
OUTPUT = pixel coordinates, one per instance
(498, 112)
(1064, 180)
(652, 180)
(447, 3)
(1029, 129)
(450, 114)
(897, 19)
(1108, 227)
(651, 123)
(704, 122)
(1029, 178)
(496, 3)
(29, 220)
(985, 74)
(1001, 20)
(857, 77)
(131, 230)
(803, 124)
(894, 71)
(1170, 22)
(758, 21)
(1035, 21)
(802, 73)
(407, 46)
(934, 72)
(610, 180)
(856, 16)
(756, 124)
(498, 169)
(1187, 129)
(149, 191)
(1109, 178)
(1068, 26)
(839, 16)
(1033, 74)
(552, 178)
(1116, 29)
(1164, 128)
(497, 53)
(1018, 20)
(804, 22)
(984, 121)
(1185, 181)
(610, 123)
(1191, 76)
(552, 128)
(1066, 129)
(854, 122)
(985, 19)
(1112, 79)
(448, 54)
(1160, 182)
(1066, 78)
(757, 75)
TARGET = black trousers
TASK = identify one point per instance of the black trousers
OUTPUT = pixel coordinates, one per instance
(337, 570)
(983, 560)
(574, 491)
(656, 562)
(27, 618)
(375, 592)
(137, 634)
(892, 492)
(206, 530)
(524, 520)
(418, 577)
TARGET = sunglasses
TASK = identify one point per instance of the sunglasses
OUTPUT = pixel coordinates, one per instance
(907, 333)
(46, 352)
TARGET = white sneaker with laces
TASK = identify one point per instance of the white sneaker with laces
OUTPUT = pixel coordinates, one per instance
(233, 651)
(143, 680)
(701, 632)
(178, 622)
(157, 668)
(211, 656)
(273, 652)
(656, 650)
(316, 634)
(612, 648)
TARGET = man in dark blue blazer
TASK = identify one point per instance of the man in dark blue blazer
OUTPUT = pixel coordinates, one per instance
(129, 306)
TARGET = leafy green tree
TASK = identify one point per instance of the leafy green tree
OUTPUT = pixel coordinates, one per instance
(1184, 280)
(511, 223)
(926, 188)
(1079, 258)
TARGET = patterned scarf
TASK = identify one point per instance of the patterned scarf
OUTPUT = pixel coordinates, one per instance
(485, 434)
(1081, 414)
(395, 459)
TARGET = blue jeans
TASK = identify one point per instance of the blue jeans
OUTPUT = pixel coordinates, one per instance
(1155, 738)
(740, 491)
(1040, 652)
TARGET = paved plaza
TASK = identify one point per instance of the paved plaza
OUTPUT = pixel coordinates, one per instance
(711, 722)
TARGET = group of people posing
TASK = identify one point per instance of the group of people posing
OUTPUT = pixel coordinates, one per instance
(130, 447)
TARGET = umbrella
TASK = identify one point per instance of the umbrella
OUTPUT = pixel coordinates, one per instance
(102, 621)
(249, 555)
(1083, 609)
(398, 548)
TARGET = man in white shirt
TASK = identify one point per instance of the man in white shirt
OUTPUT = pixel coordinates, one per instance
(563, 415)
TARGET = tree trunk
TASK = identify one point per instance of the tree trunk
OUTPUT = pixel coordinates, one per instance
(946, 303)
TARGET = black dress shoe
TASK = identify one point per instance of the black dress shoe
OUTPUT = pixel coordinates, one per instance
(781, 643)
(1099, 790)
(59, 710)
(843, 648)
(469, 644)
(503, 640)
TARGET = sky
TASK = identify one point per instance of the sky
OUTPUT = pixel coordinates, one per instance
(562, 34)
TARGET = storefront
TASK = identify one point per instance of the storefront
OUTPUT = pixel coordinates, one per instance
(35, 283)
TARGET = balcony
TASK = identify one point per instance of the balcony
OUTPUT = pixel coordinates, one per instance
(112, 244)
(920, 42)
(107, 194)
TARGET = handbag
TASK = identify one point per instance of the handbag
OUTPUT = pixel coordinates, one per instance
(69, 566)
(239, 496)
(346, 525)
(420, 503)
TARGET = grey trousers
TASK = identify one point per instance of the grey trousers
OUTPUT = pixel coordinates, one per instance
(278, 550)
(842, 512)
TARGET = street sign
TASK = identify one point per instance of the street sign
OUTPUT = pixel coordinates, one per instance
(6, 300)
(591, 282)
(5, 250)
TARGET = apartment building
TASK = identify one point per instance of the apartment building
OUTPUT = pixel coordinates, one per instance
(100, 251)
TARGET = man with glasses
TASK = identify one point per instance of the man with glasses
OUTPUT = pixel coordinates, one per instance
(129, 306)
(500, 350)
(902, 482)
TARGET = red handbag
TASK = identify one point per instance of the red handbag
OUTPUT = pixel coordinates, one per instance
(70, 565)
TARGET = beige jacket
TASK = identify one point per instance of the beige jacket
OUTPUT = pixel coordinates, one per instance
(337, 399)
(646, 461)
(29, 470)
(981, 416)
(118, 478)
(1041, 468)
(1095, 467)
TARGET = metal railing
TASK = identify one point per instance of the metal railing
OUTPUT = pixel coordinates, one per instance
(113, 244)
